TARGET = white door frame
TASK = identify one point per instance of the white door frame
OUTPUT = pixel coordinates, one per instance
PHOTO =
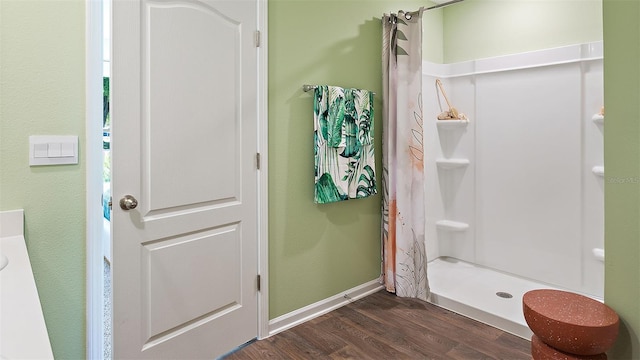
(263, 183)
(93, 153)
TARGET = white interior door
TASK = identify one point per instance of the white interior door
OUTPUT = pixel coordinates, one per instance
(184, 135)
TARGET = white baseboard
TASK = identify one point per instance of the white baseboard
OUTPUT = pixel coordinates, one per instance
(322, 307)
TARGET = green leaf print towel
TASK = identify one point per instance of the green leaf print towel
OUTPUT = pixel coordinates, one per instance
(343, 132)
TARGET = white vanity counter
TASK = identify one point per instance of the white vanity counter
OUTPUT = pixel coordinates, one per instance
(23, 333)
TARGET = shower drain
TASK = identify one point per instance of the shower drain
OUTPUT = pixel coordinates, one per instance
(504, 295)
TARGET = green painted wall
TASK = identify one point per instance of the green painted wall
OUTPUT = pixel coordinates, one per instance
(476, 29)
(432, 34)
(316, 251)
(42, 93)
(622, 181)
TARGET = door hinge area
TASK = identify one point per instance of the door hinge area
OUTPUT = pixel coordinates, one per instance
(258, 282)
(257, 38)
(258, 161)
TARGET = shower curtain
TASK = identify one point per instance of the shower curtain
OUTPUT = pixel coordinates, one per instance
(404, 260)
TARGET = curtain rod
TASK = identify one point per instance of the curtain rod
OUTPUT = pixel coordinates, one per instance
(444, 4)
(409, 14)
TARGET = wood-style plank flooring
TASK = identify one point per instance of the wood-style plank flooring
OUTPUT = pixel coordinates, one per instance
(384, 326)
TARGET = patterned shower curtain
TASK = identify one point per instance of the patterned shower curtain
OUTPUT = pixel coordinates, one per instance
(404, 260)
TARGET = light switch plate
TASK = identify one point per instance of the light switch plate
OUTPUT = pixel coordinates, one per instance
(53, 150)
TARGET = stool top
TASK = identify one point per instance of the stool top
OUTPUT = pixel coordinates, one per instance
(570, 308)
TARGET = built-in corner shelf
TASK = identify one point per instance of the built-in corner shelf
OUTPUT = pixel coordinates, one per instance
(452, 163)
(451, 124)
(598, 119)
(449, 225)
(598, 254)
(598, 170)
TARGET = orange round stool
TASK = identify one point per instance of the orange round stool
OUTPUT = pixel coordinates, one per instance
(542, 351)
(572, 324)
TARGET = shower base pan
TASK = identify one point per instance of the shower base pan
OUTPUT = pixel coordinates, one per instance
(482, 294)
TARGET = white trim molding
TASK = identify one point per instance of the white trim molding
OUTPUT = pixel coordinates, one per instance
(263, 174)
(93, 159)
(322, 307)
(546, 57)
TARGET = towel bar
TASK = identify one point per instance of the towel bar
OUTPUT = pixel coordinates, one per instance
(307, 88)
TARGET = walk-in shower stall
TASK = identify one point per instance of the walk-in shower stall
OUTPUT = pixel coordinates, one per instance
(514, 195)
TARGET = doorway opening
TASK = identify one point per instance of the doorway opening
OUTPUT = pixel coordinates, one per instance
(106, 178)
(98, 178)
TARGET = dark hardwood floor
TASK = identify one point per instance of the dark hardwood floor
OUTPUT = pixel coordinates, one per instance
(384, 326)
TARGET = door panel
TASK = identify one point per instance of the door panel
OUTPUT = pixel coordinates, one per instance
(171, 300)
(186, 90)
(184, 132)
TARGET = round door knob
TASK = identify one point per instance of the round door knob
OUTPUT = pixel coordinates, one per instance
(128, 202)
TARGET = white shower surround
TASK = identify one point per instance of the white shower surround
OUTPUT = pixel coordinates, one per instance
(514, 191)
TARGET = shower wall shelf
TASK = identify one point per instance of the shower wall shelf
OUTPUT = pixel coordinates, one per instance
(598, 254)
(452, 124)
(452, 163)
(598, 119)
(450, 225)
(598, 170)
